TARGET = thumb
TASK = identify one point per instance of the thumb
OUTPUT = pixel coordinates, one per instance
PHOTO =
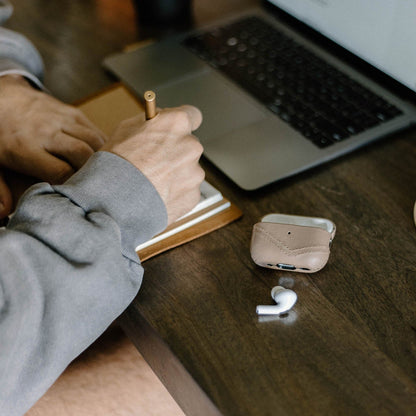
(6, 199)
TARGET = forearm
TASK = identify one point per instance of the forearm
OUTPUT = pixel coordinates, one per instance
(68, 269)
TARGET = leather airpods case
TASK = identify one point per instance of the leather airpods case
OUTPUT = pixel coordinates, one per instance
(292, 243)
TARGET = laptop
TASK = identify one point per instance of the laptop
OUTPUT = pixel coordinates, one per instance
(276, 99)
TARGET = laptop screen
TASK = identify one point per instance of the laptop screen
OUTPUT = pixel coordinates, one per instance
(381, 32)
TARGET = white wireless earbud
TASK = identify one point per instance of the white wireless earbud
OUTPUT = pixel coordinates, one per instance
(284, 298)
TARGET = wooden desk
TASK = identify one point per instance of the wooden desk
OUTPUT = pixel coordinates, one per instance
(349, 345)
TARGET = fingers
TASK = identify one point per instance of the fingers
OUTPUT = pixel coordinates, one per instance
(73, 115)
(51, 169)
(184, 193)
(75, 152)
(46, 167)
(90, 136)
(6, 199)
(74, 122)
(50, 142)
(83, 120)
(186, 118)
(195, 148)
(55, 162)
(194, 115)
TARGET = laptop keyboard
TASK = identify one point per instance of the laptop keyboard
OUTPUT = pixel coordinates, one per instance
(322, 103)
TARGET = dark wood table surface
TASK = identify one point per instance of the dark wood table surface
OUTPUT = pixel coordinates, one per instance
(349, 345)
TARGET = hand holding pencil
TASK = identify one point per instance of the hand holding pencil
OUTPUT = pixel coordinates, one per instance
(165, 151)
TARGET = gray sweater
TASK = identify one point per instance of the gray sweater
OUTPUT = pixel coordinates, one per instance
(17, 53)
(67, 262)
(67, 269)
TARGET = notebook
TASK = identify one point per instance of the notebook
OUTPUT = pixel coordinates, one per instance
(278, 88)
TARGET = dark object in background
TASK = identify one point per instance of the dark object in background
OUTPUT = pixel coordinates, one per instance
(158, 12)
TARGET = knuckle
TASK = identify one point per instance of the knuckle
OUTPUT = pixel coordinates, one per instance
(201, 174)
(76, 113)
(94, 139)
(81, 149)
(182, 119)
(196, 149)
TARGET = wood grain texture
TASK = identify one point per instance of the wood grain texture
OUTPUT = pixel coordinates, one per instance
(349, 345)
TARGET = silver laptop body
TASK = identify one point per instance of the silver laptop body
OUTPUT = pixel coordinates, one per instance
(240, 135)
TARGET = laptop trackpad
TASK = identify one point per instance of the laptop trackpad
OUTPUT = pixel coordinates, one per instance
(178, 77)
(223, 107)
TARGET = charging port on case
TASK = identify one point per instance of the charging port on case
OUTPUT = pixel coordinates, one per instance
(286, 266)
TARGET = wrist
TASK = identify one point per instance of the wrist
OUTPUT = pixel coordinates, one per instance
(12, 88)
(13, 80)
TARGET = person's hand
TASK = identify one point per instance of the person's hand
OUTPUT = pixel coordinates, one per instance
(40, 136)
(166, 152)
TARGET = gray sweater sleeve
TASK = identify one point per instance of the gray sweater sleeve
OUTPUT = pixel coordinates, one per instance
(17, 53)
(67, 269)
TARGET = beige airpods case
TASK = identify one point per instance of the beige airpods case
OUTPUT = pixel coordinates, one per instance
(292, 243)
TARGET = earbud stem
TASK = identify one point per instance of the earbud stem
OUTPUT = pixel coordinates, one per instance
(268, 310)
